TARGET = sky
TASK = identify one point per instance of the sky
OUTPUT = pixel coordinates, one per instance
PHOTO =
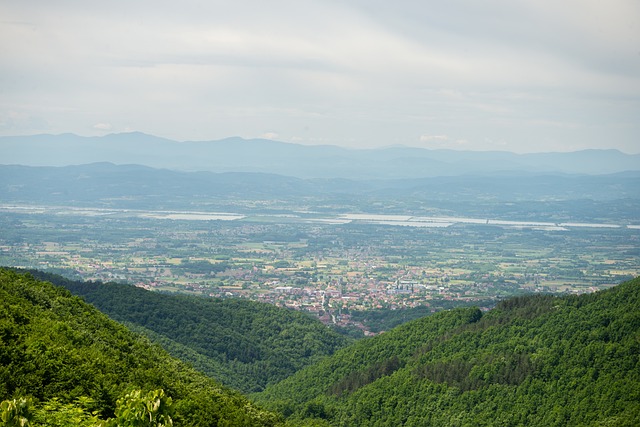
(513, 75)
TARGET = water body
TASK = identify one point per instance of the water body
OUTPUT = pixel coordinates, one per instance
(393, 220)
(415, 221)
(190, 216)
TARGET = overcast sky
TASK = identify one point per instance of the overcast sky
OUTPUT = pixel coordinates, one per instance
(523, 76)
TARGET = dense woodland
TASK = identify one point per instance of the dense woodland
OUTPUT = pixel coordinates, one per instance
(536, 360)
(380, 320)
(64, 363)
(245, 345)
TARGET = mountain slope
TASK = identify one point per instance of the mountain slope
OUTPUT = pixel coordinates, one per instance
(244, 344)
(55, 348)
(535, 361)
(135, 186)
(266, 156)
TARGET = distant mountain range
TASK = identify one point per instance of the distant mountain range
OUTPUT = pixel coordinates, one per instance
(127, 186)
(273, 157)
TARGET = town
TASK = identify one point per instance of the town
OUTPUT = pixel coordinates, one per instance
(331, 267)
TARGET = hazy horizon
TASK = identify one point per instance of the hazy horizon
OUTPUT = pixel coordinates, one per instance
(382, 147)
(531, 76)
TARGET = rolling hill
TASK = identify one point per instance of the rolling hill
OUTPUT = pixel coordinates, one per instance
(535, 361)
(74, 361)
(245, 345)
(273, 157)
(513, 195)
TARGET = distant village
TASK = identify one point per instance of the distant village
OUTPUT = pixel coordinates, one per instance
(329, 270)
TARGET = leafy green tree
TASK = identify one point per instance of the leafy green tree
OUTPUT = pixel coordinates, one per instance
(16, 412)
(77, 364)
(244, 344)
(54, 413)
(144, 410)
(135, 409)
(532, 361)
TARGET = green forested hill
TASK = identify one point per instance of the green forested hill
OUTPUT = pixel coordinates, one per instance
(532, 361)
(245, 345)
(73, 360)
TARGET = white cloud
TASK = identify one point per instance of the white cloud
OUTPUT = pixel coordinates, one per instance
(269, 135)
(103, 126)
(358, 73)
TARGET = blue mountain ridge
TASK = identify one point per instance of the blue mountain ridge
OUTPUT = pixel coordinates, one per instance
(321, 161)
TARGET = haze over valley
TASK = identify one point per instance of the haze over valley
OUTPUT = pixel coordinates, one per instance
(319, 213)
(335, 246)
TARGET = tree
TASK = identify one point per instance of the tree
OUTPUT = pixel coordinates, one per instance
(139, 410)
(133, 410)
(16, 412)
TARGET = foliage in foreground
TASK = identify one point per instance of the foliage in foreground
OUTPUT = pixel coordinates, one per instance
(73, 361)
(534, 361)
(135, 409)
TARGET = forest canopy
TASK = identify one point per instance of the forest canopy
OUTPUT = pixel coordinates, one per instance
(537, 360)
(62, 356)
